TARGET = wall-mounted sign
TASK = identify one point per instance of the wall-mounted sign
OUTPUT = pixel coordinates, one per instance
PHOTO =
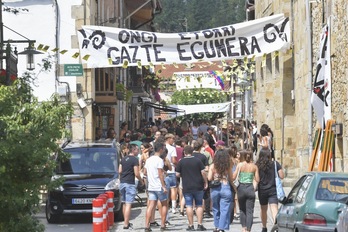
(73, 70)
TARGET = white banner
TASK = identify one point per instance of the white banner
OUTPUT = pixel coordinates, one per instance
(202, 108)
(108, 46)
(321, 95)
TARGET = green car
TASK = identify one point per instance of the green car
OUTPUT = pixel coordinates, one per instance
(314, 203)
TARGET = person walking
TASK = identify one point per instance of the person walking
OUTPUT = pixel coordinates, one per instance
(194, 181)
(267, 187)
(220, 172)
(128, 170)
(248, 175)
(234, 156)
(197, 147)
(157, 189)
(210, 138)
(171, 176)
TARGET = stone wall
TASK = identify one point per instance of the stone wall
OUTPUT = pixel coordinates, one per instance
(336, 14)
(293, 119)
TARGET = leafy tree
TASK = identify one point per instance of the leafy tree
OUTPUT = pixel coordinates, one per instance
(200, 14)
(29, 131)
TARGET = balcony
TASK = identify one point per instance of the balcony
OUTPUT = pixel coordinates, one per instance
(143, 10)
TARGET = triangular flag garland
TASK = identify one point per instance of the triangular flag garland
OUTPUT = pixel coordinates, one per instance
(237, 68)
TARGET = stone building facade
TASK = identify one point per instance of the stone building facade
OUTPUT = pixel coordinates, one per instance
(284, 80)
(104, 110)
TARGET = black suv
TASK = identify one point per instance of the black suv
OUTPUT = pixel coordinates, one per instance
(92, 169)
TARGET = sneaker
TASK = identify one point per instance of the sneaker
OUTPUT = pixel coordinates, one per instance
(167, 223)
(208, 215)
(163, 228)
(190, 228)
(200, 228)
(236, 217)
(173, 210)
(264, 229)
(148, 229)
(130, 226)
(154, 223)
(182, 214)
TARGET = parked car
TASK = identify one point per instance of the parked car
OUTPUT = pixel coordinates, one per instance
(314, 203)
(342, 222)
(92, 169)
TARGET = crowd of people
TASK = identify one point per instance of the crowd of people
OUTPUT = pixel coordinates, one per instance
(198, 169)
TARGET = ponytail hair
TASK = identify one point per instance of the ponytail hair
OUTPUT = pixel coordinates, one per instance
(246, 155)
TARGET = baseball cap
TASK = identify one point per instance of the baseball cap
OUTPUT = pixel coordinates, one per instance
(220, 143)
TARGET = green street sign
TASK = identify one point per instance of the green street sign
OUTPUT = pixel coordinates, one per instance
(73, 70)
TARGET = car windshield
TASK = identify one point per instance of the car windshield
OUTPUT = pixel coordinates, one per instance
(89, 160)
(333, 189)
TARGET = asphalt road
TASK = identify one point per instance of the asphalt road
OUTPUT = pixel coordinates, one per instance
(178, 223)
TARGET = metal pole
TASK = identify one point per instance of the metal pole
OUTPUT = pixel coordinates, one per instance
(309, 41)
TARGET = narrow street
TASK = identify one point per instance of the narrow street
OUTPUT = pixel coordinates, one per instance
(178, 223)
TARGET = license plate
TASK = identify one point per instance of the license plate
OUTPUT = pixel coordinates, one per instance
(76, 201)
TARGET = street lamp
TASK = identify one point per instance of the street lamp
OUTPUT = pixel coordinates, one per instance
(30, 51)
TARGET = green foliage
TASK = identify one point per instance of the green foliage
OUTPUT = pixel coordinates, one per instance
(199, 96)
(200, 14)
(29, 131)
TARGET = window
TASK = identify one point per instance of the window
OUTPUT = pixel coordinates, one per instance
(293, 193)
(105, 81)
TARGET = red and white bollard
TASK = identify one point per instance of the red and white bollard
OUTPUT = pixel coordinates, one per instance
(111, 215)
(105, 212)
(98, 221)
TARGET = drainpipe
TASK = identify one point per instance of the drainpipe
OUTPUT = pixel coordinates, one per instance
(57, 71)
(310, 74)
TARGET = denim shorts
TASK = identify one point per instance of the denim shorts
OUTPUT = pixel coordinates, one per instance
(197, 196)
(157, 195)
(128, 192)
(171, 179)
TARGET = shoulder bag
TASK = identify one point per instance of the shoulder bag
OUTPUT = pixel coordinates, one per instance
(279, 185)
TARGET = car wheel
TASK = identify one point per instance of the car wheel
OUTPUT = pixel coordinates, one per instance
(274, 228)
(51, 218)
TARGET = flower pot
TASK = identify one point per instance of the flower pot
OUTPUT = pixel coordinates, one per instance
(120, 95)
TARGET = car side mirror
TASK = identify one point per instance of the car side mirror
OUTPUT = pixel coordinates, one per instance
(285, 201)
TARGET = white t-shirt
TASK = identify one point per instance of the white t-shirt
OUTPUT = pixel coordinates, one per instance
(171, 153)
(152, 165)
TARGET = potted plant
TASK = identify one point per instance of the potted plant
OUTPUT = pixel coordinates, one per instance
(122, 93)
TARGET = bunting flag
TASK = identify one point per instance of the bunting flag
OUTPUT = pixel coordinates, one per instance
(217, 76)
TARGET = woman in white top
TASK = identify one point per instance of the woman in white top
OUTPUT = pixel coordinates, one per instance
(264, 142)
